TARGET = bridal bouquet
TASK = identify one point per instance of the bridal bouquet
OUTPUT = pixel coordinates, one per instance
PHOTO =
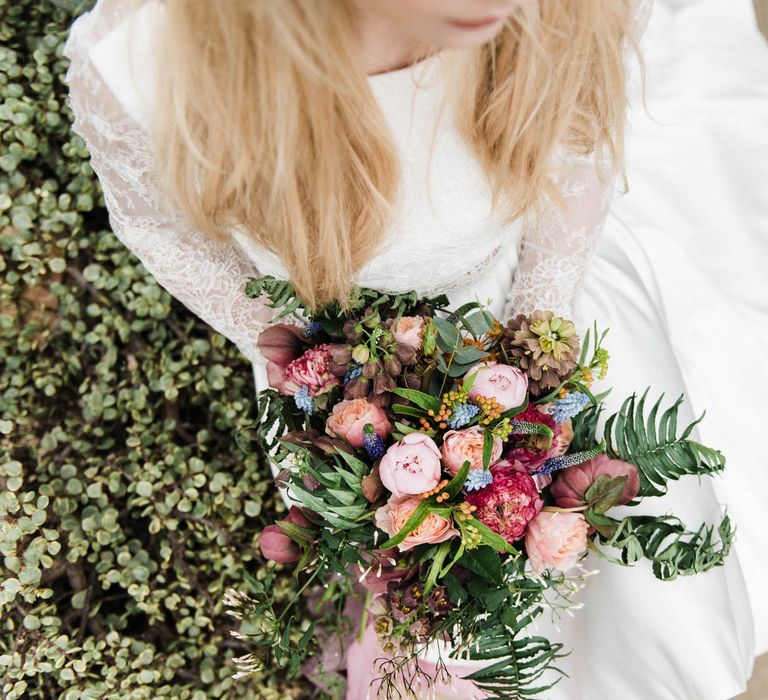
(457, 469)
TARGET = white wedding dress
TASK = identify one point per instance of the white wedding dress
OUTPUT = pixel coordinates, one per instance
(672, 326)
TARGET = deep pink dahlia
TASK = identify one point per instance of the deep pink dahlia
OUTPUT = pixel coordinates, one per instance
(508, 504)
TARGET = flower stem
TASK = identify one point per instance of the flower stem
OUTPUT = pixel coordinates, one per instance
(364, 616)
(555, 509)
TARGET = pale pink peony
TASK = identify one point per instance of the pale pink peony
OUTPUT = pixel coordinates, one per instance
(392, 516)
(408, 331)
(507, 384)
(556, 540)
(570, 485)
(507, 504)
(460, 446)
(411, 466)
(348, 419)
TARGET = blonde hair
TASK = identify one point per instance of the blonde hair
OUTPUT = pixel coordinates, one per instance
(266, 123)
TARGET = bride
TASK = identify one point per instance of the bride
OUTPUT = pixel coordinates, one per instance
(466, 147)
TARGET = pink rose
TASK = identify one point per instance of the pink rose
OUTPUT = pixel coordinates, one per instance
(507, 384)
(460, 446)
(349, 418)
(408, 331)
(276, 545)
(556, 540)
(312, 370)
(392, 517)
(411, 466)
(508, 503)
(570, 485)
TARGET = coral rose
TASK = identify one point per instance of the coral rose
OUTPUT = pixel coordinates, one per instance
(408, 331)
(507, 384)
(571, 484)
(392, 517)
(349, 418)
(411, 466)
(508, 503)
(460, 446)
(556, 540)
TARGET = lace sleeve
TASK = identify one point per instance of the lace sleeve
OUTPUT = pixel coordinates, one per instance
(555, 246)
(206, 275)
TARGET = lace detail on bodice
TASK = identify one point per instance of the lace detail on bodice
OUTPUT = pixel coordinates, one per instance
(208, 276)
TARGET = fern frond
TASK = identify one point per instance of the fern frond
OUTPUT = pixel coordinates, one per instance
(652, 444)
(673, 549)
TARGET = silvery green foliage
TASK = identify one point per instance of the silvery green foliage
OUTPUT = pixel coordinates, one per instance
(126, 508)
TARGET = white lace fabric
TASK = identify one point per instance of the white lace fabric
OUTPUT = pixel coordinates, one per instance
(555, 247)
(208, 276)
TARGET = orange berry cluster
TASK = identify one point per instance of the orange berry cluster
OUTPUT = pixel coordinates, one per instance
(471, 342)
(465, 511)
(491, 408)
(442, 497)
(450, 398)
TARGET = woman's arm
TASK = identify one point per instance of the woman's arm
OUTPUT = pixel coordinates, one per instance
(206, 275)
(555, 247)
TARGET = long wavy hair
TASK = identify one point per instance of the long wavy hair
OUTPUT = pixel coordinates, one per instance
(265, 121)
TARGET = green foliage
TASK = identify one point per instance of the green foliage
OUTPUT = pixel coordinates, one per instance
(126, 507)
(673, 550)
(656, 449)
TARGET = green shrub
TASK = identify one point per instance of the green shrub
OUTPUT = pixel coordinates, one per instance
(126, 508)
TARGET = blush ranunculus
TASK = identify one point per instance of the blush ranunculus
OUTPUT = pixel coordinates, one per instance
(312, 370)
(570, 484)
(394, 514)
(411, 466)
(349, 418)
(556, 540)
(508, 503)
(460, 446)
(408, 331)
(507, 384)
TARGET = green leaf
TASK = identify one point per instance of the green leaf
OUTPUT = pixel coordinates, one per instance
(419, 398)
(605, 492)
(487, 448)
(300, 535)
(413, 411)
(417, 517)
(602, 523)
(490, 538)
(485, 562)
(457, 483)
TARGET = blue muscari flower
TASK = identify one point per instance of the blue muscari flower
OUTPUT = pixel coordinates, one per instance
(304, 401)
(569, 406)
(554, 464)
(373, 444)
(356, 371)
(461, 414)
(478, 479)
(311, 329)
